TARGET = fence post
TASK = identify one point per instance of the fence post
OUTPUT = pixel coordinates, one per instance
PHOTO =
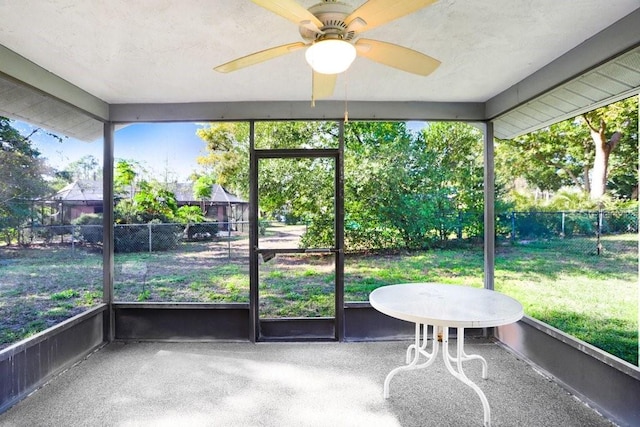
(598, 232)
(150, 242)
(229, 237)
(562, 227)
(513, 227)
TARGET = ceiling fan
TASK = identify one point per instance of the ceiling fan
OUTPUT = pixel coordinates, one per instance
(331, 31)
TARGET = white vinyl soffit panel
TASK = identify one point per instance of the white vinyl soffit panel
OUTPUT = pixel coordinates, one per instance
(610, 82)
(20, 103)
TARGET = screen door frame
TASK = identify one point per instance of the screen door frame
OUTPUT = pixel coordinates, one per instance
(307, 330)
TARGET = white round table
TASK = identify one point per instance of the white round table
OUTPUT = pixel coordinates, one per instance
(443, 307)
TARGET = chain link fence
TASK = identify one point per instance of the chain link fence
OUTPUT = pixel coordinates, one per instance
(587, 231)
(151, 237)
(590, 231)
(71, 235)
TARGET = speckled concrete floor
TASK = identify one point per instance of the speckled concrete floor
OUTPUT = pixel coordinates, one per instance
(292, 384)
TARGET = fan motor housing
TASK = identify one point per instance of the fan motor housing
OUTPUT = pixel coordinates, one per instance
(332, 15)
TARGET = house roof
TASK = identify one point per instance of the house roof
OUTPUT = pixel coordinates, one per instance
(219, 195)
(83, 190)
(70, 66)
(89, 190)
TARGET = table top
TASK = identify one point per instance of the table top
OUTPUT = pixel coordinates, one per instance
(446, 305)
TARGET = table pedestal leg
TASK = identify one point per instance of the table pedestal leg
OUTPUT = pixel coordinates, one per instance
(417, 348)
(459, 373)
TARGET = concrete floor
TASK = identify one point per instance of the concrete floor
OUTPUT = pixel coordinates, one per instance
(292, 384)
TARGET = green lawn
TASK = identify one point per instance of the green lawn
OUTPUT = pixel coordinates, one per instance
(593, 297)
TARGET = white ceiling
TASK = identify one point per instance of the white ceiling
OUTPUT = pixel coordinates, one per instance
(164, 51)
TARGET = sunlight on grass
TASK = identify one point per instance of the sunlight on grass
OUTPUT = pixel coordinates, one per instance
(275, 275)
(592, 297)
(66, 294)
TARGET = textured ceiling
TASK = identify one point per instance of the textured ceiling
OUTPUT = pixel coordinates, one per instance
(69, 65)
(159, 51)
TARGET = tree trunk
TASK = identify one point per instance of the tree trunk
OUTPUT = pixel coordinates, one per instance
(585, 176)
(603, 149)
(600, 165)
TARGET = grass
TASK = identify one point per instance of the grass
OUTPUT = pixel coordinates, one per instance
(41, 286)
(66, 294)
(593, 297)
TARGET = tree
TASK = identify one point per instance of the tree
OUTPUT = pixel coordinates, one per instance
(454, 172)
(153, 201)
(419, 184)
(227, 159)
(548, 159)
(609, 127)
(596, 152)
(375, 184)
(400, 187)
(125, 177)
(202, 187)
(21, 177)
(87, 168)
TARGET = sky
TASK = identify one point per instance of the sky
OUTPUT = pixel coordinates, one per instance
(165, 150)
(158, 147)
(161, 147)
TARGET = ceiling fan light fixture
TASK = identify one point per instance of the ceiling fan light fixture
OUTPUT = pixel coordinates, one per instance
(332, 56)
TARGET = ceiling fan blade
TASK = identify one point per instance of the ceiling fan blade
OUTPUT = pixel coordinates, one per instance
(257, 57)
(289, 9)
(399, 57)
(378, 12)
(323, 85)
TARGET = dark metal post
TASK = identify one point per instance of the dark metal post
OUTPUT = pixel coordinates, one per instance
(339, 234)
(107, 228)
(489, 207)
(253, 236)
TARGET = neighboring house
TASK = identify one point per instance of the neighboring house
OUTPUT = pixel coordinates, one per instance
(80, 197)
(222, 206)
(85, 197)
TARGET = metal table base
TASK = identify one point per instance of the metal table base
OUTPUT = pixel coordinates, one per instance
(441, 335)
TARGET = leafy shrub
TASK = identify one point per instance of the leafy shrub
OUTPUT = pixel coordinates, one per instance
(532, 225)
(135, 237)
(364, 231)
(202, 231)
(165, 236)
(262, 226)
(579, 223)
(319, 233)
(190, 214)
(131, 238)
(625, 221)
(90, 226)
(291, 219)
